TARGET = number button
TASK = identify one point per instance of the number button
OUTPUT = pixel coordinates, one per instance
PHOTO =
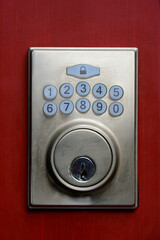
(50, 108)
(66, 90)
(50, 92)
(116, 109)
(83, 105)
(66, 107)
(115, 92)
(99, 90)
(83, 88)
(99, 107)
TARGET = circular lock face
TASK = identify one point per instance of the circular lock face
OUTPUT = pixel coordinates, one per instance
(83, 159)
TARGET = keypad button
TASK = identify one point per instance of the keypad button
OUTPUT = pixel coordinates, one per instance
(99, 90)
(115, 92)
(116, 109)
(99, 107)
(66, 107)
(50, 92)
(83, 105)
(50, 108)
(83, 88)
(66, 90)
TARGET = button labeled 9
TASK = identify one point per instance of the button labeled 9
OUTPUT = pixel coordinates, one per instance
(99, 107)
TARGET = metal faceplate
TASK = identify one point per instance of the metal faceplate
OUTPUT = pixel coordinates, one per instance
(83, 128)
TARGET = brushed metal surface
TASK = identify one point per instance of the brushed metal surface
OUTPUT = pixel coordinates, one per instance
(118, 66)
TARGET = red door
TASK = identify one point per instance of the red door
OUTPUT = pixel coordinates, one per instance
(76, 23)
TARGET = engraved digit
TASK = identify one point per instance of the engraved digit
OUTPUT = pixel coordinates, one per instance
(68, 88)
(67, 103)
(99, 90)
(83, 90)
(83, 105)
(116, 108)
(50, 91)
(116, 90)
(50, 108)
(99, 106)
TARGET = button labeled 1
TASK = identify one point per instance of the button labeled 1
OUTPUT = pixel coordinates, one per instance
(50, 92)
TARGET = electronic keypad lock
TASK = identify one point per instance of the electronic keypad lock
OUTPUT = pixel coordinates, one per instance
(83, 127)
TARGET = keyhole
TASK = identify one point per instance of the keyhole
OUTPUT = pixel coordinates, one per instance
(82, 168)
(82, 171)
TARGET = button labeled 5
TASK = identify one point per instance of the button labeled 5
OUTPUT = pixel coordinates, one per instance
(115, 92)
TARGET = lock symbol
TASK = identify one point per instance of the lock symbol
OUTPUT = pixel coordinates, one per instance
(83, 70)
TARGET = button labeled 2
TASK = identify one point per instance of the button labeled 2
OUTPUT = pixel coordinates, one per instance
(66, 90)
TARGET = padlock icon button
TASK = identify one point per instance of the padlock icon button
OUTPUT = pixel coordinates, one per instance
(83, 70)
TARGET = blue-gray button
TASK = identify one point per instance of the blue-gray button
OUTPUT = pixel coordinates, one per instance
(99, 90)
(66, 90)
(83, 105)
(99, 107)
(50, 92)
(66, 107)
(116, 109)
(83, 71)
(50, 108)
(115, 92)
(83, 88)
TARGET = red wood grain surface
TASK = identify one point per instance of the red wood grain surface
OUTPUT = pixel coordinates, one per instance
(75, 23)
